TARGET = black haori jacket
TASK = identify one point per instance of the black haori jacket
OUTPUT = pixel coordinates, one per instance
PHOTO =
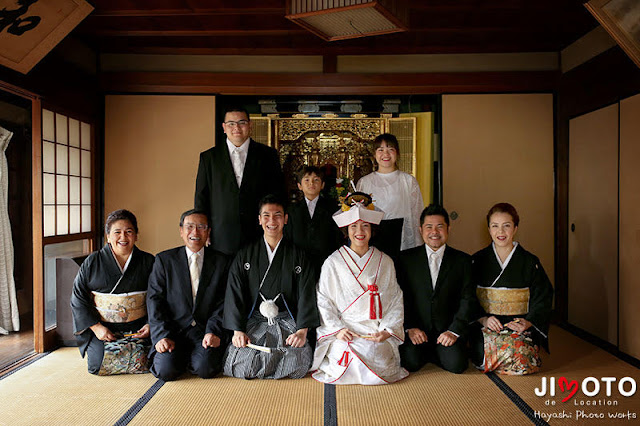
(290, 275)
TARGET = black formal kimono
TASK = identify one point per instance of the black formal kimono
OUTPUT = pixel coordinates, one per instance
(233, 210)
(448, 307)
(319, 235)
(100, 272)
(174, 315)
(523, 271)
(290, 281)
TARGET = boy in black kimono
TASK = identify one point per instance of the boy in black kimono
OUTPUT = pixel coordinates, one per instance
(310, 225)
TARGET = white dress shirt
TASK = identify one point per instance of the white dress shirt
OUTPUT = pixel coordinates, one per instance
(439, 253)
(242, 151)
(311, 205)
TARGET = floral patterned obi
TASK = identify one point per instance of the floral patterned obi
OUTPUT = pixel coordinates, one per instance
(120, 308)
(510, 353)
(504, 301)
(127, 355)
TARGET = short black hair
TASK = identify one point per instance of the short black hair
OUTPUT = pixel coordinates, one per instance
(504, 208)
(307, 170)
(193, 211)
(272, 199)
(117, 215)
(434, 210)
(236, 108)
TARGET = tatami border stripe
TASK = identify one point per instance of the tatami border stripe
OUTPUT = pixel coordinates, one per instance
(26, 364)
(330, 406)
(135, 408)
(515, 398)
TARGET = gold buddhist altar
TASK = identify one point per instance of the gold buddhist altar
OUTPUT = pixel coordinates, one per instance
(342, 147)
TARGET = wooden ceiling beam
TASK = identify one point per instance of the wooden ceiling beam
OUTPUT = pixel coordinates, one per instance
(495, 5)
(415, 36)
(197, 33)
(186, 12)
(186, 8)
(328, 84)
(419, 22)
(259, 27)
(252, 46)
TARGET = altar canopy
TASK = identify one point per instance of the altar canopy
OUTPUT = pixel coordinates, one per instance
(9, 317)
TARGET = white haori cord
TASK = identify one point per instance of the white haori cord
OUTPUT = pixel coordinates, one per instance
(269, 309)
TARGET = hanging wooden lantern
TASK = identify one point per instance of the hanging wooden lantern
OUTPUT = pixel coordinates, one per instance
(344, 19)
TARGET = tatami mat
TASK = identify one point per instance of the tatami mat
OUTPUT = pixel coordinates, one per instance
(230, 401)
(576, 359)
(431, 396)
(57, 390)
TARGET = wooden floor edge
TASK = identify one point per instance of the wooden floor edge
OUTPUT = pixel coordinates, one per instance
(18, 364)
(600, 343)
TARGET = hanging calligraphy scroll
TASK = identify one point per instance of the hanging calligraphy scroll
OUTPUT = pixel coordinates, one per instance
(29, 29)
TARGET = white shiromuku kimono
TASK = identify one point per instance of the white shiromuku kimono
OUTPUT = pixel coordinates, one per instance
(362, 295)
(398, 195)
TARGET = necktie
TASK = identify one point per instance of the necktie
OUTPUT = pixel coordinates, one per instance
(238, 169)
(195, 274)
(433, 268)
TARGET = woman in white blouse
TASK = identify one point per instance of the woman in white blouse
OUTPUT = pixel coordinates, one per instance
(398, 195)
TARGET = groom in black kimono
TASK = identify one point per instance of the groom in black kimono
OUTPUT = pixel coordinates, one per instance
(185, 299)
(270, 302)
(438, 297)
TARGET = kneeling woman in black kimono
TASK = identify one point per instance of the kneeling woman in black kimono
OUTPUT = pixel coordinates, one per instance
(515, 298)
(109, 301)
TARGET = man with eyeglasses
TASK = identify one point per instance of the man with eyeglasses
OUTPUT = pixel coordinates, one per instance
(185, 298)
(232, 178)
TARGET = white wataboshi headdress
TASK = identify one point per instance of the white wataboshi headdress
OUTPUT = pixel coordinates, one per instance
(357, 206)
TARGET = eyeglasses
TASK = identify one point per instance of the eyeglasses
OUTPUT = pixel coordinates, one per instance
(234, 124)
(191, 226)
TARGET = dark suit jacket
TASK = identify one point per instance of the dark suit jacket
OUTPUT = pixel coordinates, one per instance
(318, 236)
(233, 211)
(169, 297)
(450, 305)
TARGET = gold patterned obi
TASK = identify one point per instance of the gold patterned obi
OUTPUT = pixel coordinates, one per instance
(504, 301)
(119, 308)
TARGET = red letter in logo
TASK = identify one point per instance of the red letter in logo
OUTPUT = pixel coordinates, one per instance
(563, 382)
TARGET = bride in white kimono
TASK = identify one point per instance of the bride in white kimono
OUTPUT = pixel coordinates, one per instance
(360, 305)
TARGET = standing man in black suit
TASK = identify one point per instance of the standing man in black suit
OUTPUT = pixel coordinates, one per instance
(185, 298)
(232, 178)
(438, 297)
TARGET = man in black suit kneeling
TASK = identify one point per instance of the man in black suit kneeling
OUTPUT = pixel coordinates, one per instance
(184, 300)
(438, 297)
